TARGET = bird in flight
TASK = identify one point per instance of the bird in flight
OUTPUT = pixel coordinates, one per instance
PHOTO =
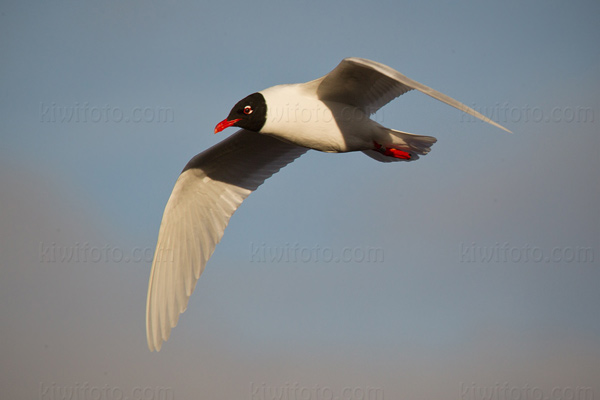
(278, 125)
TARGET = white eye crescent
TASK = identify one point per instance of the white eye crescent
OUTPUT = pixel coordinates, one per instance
(248, 110)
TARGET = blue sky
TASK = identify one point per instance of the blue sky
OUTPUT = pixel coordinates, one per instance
(490, 247)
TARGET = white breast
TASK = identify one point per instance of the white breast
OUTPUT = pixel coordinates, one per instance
(296, 115)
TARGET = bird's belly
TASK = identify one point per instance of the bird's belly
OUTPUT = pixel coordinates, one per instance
(330, 127)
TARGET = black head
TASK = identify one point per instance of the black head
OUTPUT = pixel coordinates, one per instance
(249, 113)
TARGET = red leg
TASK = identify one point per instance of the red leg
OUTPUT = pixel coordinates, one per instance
(391, 152)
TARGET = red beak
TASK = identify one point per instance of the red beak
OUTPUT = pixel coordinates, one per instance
(225, 124)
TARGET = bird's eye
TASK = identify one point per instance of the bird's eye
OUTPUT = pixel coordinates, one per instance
(248, 110)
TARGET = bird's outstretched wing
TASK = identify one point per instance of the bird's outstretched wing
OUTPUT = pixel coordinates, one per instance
(370, 85)
(209, 190)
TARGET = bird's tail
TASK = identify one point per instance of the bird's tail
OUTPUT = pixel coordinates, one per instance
(395, 145)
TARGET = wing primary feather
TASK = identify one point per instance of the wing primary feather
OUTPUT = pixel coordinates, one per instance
(371, 85)
(209, 190)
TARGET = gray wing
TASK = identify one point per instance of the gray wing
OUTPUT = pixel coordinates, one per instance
(209, 190)
(370, 85)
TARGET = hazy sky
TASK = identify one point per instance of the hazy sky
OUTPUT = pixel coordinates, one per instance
(472, 272)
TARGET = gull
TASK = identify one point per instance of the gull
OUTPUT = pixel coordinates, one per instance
(278, 124)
